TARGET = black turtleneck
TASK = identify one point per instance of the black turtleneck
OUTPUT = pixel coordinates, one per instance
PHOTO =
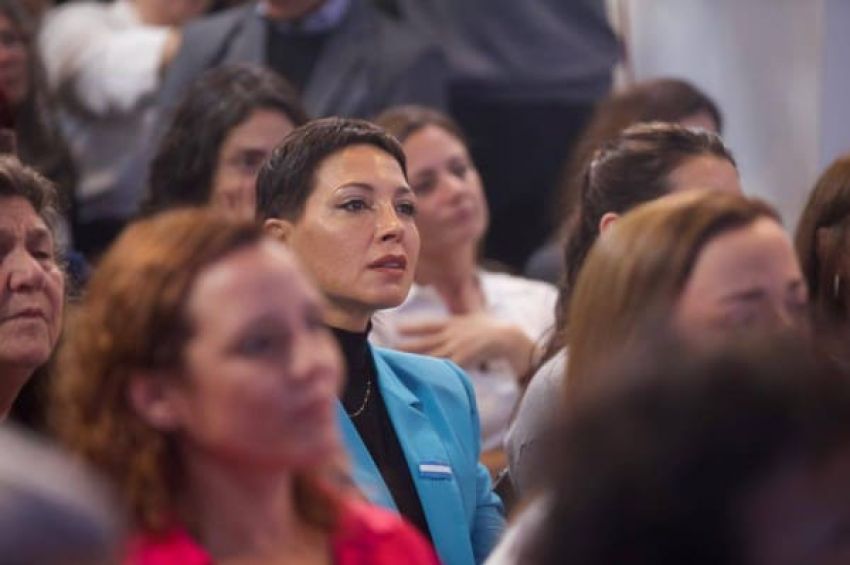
(373, 423)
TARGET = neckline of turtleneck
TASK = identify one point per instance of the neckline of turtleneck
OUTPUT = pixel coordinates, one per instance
(359, 365)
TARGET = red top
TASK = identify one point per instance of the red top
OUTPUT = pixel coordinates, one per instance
(364, 535)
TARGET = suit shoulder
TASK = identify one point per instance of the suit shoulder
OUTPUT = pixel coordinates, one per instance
(217, 25)
(402, 39)
(440, 374)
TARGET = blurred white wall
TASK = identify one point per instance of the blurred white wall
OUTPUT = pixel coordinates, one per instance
(779, 69)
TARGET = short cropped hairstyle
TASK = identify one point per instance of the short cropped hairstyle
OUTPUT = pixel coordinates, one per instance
(18, 180)
(182, 170)
(287, 178)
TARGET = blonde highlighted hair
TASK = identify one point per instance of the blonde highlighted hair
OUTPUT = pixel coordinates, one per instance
(635, 273)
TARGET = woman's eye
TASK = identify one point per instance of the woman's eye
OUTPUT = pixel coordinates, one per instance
(257, 344)
(459, 169)
(406, 208)
(43, 255)
(354, 205)
(424, 187)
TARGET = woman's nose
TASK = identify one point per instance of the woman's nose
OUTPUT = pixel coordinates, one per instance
(390, 225)
(25, 272)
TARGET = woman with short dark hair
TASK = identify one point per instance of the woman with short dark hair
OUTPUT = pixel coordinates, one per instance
(336, 192)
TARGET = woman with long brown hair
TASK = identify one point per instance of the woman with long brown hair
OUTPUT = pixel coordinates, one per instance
(643, 163)
(199, 378)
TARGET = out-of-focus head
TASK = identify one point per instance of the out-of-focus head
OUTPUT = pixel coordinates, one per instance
(822, 241)
(732, 456)
(198, 338)
(336, 192)
(452, 206)
(226, 125)
(52, 509)
(18, 65)
(702, 265)
(31, 297)
(659, 100)
(643, 163)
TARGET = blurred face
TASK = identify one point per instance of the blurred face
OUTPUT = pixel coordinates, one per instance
(705, 171)
(33, 286)
(452, 207)
(744, 278)
(357, 237)
(241, 154)
(801, 514)
(261, 372)
(14, 75)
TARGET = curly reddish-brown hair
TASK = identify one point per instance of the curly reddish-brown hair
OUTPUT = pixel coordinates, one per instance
(133, 320)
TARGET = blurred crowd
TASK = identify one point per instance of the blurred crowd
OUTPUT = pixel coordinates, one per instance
(392, 281)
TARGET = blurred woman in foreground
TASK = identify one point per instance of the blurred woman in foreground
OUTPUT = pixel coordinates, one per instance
(199, 378)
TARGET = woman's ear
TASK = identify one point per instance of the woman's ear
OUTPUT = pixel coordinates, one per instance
(607, 220)
(278, 228)
(152, 398)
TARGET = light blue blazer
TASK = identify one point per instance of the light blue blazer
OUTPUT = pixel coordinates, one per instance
(432, 406)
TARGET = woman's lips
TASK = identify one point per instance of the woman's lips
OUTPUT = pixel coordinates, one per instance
(389, 263)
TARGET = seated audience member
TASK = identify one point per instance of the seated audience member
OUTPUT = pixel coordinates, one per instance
(733, 456)
(199, 378)
(658, 100)
(488, 323)
(228, 122)
(703, 265)
(32, 294)
(643, 163)
(823, 246)
(525, 77)
(344, 57)
(23, 92)
(336, 192)
(103, 63)
(52, 510)
(706, 264)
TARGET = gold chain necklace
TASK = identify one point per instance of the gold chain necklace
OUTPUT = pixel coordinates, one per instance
(365, 400)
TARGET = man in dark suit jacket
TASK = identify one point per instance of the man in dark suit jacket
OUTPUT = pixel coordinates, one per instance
(344, 56)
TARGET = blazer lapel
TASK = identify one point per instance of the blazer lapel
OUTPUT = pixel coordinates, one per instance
(430, 466)
(249, 44)
(365, 473)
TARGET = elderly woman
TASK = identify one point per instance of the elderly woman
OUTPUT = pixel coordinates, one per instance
(199, 378)
(643, 163)
(31, 297)
(705, 267)
(224, 128)
(488, 323)
(336, 191)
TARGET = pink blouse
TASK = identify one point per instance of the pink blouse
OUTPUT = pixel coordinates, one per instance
(365, 534)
